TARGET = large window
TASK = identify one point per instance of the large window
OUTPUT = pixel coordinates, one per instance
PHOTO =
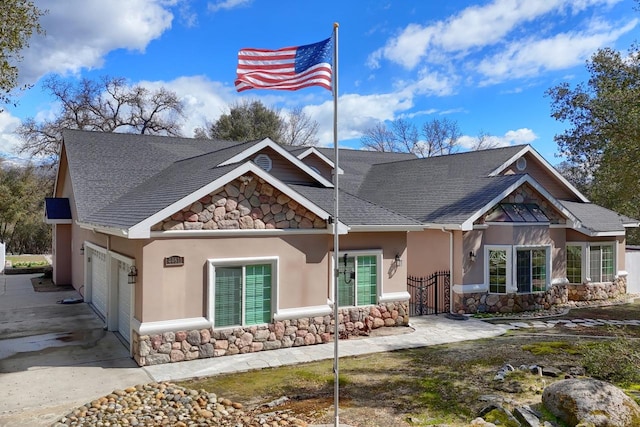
(531, 270)
(242, 295)
(601, 262)
(358, 280)
(498, 270)
(574, 264)
(519, 269)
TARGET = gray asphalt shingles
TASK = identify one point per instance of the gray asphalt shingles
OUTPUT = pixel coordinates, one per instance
(597, 218)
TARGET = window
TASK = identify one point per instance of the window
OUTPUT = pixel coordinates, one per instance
(522, 269)
(358, 280)
(498, 269)
(601, 262)
(574, 263)
(242, 295)
(531, 270)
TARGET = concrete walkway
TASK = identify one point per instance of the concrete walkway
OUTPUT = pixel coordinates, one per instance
(55, 357)
(427, 330)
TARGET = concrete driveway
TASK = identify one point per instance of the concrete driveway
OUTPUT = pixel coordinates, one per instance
(54, 357)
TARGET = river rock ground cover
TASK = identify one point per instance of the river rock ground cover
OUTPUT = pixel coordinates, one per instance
(447, 385)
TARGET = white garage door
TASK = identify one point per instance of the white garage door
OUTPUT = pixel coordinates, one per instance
(124, 300)
(97, 263)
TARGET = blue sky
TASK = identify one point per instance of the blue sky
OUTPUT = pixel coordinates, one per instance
(484, 64)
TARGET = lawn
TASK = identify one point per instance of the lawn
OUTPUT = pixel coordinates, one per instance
(438, 385)
(27, 260)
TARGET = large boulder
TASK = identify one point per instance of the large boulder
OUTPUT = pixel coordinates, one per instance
(591, 402)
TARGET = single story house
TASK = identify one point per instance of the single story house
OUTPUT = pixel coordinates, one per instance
(200, 248)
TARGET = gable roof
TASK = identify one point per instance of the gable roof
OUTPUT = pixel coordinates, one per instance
(596, 220)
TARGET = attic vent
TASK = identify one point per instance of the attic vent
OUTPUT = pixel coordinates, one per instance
(263, 161)
(521, 164)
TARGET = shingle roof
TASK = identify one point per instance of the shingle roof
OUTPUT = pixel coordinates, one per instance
(597, 218)
(353, 210)
(444, 189)
(105, 166)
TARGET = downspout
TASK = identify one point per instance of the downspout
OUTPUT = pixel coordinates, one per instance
(450, 268)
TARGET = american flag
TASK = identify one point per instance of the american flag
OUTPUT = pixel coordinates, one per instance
(289, 68)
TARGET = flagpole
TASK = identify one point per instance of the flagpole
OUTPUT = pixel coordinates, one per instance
(336, 258)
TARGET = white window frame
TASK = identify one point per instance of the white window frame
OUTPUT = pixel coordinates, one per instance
(584, 261)
(378, 253)
(587, 254)
(547, 264)
(241, 262)
(509, 282)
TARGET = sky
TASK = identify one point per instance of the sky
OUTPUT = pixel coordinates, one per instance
(484, 64)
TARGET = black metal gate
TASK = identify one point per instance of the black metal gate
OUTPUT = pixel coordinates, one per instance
(429, 295)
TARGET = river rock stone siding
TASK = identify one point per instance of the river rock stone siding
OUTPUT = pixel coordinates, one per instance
(598, 291)
(246, 203)
(509, 303)
(177, 346)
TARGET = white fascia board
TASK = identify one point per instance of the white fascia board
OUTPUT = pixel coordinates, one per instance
(313, 150)
(529, 149)
(433, 226)
(244, 155)
(142, 229)
(383, 228)
(468, 224)
(57, 221)
(120, 232)
(631, 224)
(592, 233)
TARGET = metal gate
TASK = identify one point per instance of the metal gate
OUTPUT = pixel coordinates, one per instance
(429, 295)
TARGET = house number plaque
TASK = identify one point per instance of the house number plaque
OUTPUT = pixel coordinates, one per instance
(174, 261)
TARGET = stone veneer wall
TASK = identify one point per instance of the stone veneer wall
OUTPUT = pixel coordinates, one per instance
(598, 291)
(246, 203)
(558, 295)
(482, 302)
(176, 346)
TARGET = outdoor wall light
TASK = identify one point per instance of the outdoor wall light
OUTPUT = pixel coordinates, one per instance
(133, 274)
(398, 260)
(472, 256)
(82, 249)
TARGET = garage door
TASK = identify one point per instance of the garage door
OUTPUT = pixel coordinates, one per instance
(124, 300)
(99, 287)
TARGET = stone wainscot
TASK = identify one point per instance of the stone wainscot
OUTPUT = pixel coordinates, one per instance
(177, 346)
(557, 295)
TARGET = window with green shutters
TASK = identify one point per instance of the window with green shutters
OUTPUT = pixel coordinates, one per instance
(242, 295)
(361, 289)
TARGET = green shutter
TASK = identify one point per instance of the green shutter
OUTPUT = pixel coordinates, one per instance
(346, 291)
(258, 294)
(367, 277)
(228, 295)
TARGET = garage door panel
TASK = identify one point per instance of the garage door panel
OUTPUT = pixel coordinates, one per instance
(99, 285)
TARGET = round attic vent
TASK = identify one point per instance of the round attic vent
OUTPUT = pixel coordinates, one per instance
(521, 164)
(263, 161)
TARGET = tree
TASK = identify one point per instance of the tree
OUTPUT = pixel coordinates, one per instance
(252, 120)
(107, 105)
(484, 141)
(19, 19)
(299, 129)
(22, 191)
(439, 136)
(603, 138)
(246, 121)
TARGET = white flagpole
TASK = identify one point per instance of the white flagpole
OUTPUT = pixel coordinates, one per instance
(336, 258)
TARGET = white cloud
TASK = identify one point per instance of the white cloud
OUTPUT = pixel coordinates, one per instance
(527, 58)
(204, 100)
(9, 141)
(227, 4)
(473, 29)
(512, 137)
(79, 33)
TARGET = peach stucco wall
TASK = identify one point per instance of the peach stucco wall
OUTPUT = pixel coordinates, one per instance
(181, 292)
(474, 241)
(428, 252)
(62, 254)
